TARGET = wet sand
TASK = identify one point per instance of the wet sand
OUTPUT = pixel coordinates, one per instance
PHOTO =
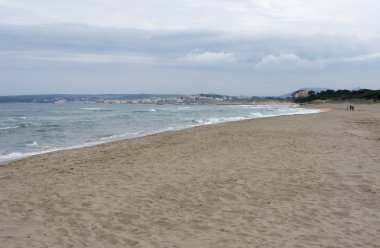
(290, 181)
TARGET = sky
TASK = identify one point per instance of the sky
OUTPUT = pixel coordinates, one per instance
(233, 47)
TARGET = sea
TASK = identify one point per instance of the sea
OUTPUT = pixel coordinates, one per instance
(36, 128)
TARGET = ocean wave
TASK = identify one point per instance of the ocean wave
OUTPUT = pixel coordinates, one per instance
(98, 109)
(7, 128)
(14, 155)
(261, 107)
(167, 129)
(118, 136)
(257, 115)
(209, 121)
(18, 155)
(123, 116)
(307, 111)
(283, 112)
(32, 144)
(245, 106)
(144, 111)
(49, 127)
(183, 108)
(91, 108)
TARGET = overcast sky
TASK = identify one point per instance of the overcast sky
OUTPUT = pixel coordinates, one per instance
(235, 47)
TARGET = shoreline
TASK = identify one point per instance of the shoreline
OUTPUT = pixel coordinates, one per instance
(95, 143)
(301, 180)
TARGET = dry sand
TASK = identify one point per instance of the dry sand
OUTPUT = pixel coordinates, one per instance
(291, 181)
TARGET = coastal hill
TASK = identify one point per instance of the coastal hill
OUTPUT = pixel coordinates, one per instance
(317, 90)
(305, 96)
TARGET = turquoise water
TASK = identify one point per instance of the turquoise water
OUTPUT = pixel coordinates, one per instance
(28, 129)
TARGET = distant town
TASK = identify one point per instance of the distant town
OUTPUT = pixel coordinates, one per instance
(305, 95)
(200, 99)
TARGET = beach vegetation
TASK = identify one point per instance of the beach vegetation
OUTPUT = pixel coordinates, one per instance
(340, 95)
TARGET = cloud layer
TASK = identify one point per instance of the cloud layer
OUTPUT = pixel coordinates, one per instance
(335, 16)
(208, 58)
(83, 44)
(260, 47)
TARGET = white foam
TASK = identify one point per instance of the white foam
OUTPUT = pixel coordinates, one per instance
(183, 108)
(258, 106)
(245, 106)
(168, 129)
(288, 111)
(257, 115)
(119, 136)
(6, 128)
(18, 155)
(210, 121)
(13, 155)
(32, 144)
(91, 108)
(144, 111)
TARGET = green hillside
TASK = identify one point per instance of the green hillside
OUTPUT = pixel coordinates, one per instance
(341, 95)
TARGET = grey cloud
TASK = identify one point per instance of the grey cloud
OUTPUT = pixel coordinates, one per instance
(285, 61)
(93, 59)
(208, 58)
(306, 17)
(361, 58)
(290, 61)
(169, 46)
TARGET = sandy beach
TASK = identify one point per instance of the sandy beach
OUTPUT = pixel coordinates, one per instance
(291, 181)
